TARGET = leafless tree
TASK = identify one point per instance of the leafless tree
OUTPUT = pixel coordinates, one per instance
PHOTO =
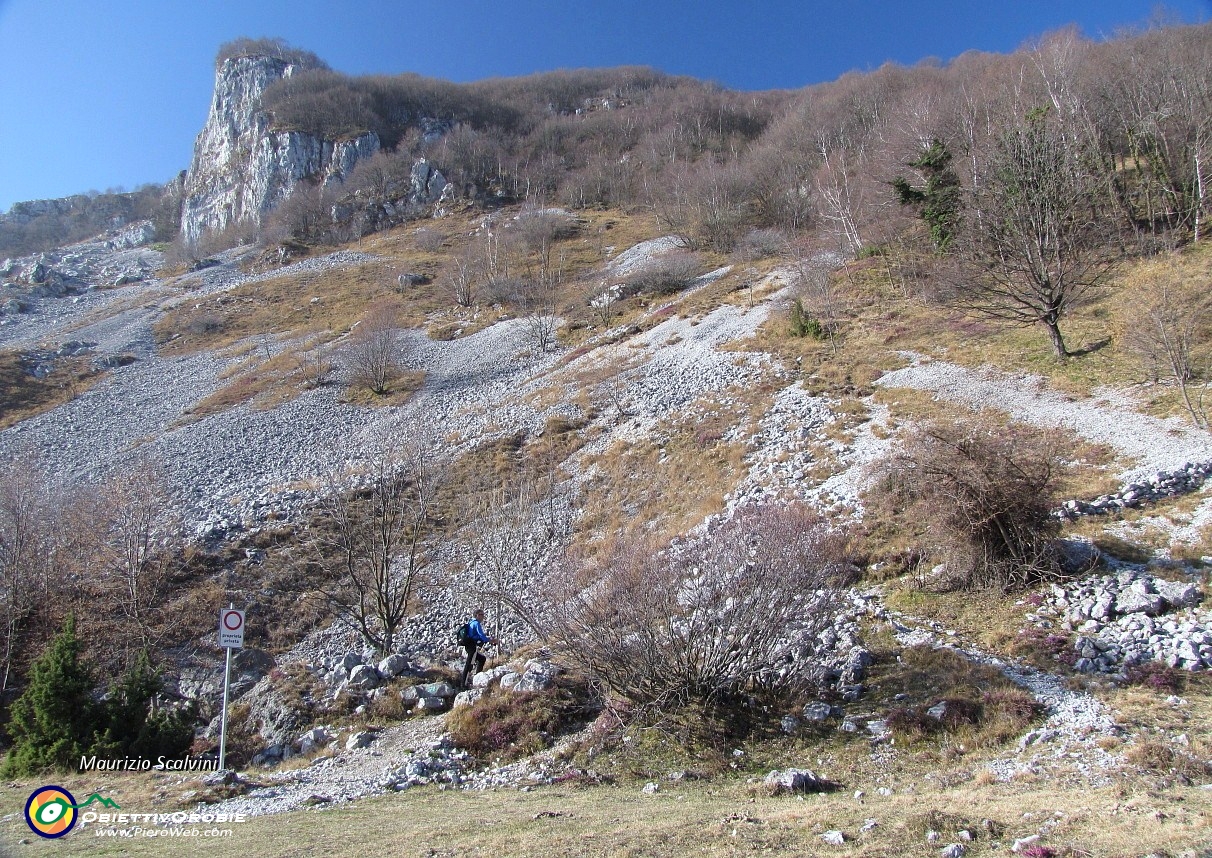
(505, 524)
(313, 365)
(373, 354)
(818, 294)
(1170, 331)
(704, 620)
(374, 543)
(1033, 244)
(128, 534)
(463, 278)
(25, 554)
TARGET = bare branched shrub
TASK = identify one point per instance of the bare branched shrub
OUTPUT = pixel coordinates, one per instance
(373, 354)
(704, 621)
(760, 244)
(428, 240)
(982, 500)
(462, 280)
(126, 532)
(313, 367)
(665, 275)
(818, 298)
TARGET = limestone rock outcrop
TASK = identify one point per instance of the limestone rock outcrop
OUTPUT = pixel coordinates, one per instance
(242, 168)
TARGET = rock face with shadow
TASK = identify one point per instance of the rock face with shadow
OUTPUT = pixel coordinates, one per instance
(242, 168)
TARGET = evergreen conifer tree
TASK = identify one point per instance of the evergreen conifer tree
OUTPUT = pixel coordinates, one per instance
(55, 720)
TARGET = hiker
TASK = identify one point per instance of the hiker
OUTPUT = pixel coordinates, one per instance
(473, 637)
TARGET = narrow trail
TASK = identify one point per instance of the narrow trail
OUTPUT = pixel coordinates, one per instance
(1067, 739)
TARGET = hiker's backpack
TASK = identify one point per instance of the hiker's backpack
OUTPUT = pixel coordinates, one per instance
(463, 634)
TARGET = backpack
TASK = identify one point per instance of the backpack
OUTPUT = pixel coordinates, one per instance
(463, 634)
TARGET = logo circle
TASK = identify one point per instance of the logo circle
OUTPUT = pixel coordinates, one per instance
(50, 811)
(232, 620)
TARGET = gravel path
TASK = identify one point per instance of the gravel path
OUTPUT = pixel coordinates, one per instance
(1068, 738)
(1110, 417)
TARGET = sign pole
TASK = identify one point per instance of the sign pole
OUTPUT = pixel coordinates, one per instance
(231, 636)
(223, 719)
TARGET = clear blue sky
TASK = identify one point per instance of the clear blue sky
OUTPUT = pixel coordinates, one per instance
(102, 94)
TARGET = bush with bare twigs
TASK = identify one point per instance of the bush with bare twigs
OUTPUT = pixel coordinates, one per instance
(373, 354)
(981, 499)
(702, 622)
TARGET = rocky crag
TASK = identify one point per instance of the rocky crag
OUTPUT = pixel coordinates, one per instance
(242, 167)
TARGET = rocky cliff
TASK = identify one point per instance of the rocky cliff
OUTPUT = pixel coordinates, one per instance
(241, 167)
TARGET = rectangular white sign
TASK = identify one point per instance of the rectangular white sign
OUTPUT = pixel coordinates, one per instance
(231, 628)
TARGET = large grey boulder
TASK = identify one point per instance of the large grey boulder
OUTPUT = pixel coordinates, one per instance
(393, 666)
(537, 676)
(364, 677)
(793, 780)
(1139, 598)
(1178, 594)
(818, 711)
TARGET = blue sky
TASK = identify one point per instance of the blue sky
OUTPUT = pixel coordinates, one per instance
(102, 94)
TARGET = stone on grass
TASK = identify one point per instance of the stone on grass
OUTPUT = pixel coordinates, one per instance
(793, 780)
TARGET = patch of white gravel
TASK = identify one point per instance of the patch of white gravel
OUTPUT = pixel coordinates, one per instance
(1068, 737)
(869, 444)
(1109, 417)
(637, 256)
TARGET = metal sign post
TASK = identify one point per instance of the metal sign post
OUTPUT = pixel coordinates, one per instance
(231, 636)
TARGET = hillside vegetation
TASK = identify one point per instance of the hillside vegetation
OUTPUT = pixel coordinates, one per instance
(859, 429)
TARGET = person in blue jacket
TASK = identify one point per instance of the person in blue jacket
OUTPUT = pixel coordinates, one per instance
(476, 638)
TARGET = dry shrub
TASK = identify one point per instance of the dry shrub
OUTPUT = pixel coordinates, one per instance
(913, 723)
(981, 499)
(702, 621)
(1007, 712)
(665, 275)
(511, 725)
(1158, 676)
(373, 353)
(760, 244)
(1161, 758)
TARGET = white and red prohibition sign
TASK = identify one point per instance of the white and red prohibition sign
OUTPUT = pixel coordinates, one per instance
(231, 628)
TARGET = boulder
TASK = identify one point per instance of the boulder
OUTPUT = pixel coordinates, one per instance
(1139, 598)
(486, 677)
(313, 740)
(439, 689)
(538, 676)
(360, 739)
(467, 698)
(793, 780)
(364, 677)
(818, 711)
(393, 666)
(430, 704)
(1178, 594)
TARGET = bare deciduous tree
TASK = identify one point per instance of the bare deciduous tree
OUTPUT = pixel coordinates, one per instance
(1033, 243)
(128, 533)
(702, 621)
(1170, 331)
(374, 544)
(25, 554)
